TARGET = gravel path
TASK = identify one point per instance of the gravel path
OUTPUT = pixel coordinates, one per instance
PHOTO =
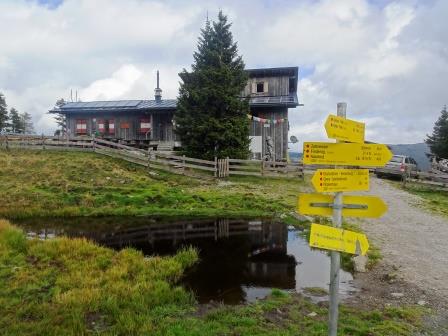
(411, 238)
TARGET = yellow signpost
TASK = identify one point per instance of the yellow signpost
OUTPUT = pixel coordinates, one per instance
(353, 152)
(347, 154)
(344, 129)
(333, 180)
(335, 239)
(353, 206)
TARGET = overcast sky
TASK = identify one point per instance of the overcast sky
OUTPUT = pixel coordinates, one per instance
(387, 59)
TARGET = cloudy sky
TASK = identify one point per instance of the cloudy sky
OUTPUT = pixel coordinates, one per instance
(387, 59)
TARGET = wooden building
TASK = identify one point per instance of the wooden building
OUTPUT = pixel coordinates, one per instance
(149, 123)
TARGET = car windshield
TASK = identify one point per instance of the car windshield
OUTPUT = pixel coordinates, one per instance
(397, 159)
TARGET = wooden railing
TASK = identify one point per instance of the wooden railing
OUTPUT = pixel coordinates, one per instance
(179, 164)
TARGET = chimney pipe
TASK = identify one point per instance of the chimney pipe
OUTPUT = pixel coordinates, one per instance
(158, 90)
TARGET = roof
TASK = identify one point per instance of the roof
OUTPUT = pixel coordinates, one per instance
(117, 105)
(162, 105)
(272, 72)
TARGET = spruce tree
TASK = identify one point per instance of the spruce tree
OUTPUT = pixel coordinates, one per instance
(3, 113)
(211, 117)
(60, 118)
(27, 122)
(16, 124)
(438, 140)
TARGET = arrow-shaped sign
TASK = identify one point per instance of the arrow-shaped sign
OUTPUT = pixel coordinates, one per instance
(353, 206)
(335, 239)
(344, 129)
(346, 154)
(334, 180)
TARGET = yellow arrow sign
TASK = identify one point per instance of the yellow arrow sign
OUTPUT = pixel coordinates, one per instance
(344, 129)
(335, 239)
(353, 154)
(353, 206)
(333, 180)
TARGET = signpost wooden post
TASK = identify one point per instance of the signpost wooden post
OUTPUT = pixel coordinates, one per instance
(352, 151)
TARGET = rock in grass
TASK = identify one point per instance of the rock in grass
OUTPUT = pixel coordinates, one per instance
(397, 295)
(360, 263)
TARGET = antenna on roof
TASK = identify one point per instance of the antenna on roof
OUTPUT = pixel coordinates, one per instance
(71, 95)
(76, 95)
(158, 90)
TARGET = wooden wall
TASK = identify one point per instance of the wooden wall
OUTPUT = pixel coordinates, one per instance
(277, 132)
(276, 86)
(162, 128)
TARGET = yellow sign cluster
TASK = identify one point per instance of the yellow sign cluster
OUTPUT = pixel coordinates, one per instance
(352, 151)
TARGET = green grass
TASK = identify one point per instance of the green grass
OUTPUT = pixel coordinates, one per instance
(436, 199)
(44, 183)
(74, 287)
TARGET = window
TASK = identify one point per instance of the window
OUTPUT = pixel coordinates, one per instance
(145, 125)
(111, 126)
(260, 87)
(81, 126)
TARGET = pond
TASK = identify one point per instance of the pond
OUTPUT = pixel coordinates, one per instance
(240, 260)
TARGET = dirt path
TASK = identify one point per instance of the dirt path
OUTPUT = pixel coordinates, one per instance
(411, 238)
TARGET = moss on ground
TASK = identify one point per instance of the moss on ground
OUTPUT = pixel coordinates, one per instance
(74, 287)
(52, 183)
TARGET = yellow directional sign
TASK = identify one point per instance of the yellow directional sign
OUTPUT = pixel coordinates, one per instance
(352, 154)
(335, 239)
(344, 129)
(353, 206)
(333, 180)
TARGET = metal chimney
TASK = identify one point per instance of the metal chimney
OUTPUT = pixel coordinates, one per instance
(158, 90)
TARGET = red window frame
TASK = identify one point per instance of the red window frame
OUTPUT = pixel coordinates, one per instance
(145, 125)
(81, 126)
(112, 126)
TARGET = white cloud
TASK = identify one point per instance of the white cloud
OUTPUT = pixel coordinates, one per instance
(117, 86)
(388, 62)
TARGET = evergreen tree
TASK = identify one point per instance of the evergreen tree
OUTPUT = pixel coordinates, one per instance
(211, 118)
(16, 124)
(27, 122)
(438, 141)
(3, 113)
(60, 118)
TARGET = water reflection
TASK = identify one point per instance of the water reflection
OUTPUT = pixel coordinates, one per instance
(240, 260)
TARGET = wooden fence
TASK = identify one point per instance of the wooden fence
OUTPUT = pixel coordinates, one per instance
(428, 178)
(178, 164)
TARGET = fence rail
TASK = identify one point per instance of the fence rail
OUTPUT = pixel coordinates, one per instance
(428, 178)
(178, 164)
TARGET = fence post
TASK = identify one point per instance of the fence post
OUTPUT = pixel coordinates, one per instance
(216, 167)
(93, 142)
(149, 157)
(183, 164)
(43, 142)
(7, 143)
(227, 167)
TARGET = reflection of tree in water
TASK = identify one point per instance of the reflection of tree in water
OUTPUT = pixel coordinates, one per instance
(233, 253)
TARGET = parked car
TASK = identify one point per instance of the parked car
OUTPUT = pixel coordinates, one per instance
(399, 166)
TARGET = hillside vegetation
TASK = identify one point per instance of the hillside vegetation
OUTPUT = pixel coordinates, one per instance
(50, 183)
